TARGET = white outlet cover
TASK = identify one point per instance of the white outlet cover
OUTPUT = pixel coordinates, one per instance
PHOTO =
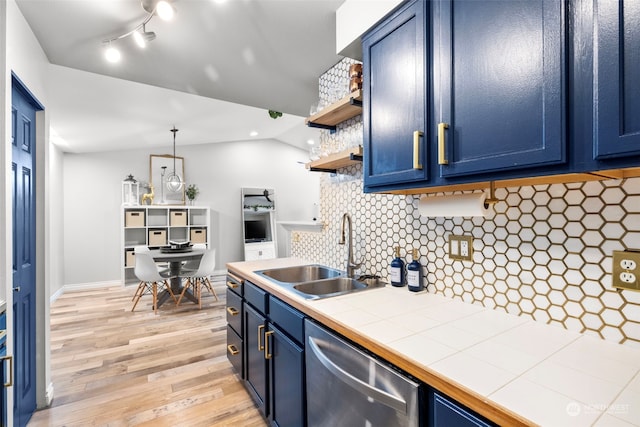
(464, 248)
(628, 264)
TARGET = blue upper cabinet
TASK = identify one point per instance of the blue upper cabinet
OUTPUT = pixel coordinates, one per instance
(616, 105)
(499, 86)
(394, 99)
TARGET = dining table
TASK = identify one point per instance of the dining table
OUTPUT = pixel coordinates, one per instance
(176, 259)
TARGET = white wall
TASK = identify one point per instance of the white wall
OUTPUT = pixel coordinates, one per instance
(92, 197)
(21, 53)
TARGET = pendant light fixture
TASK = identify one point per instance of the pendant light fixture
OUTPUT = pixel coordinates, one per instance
(174, 182)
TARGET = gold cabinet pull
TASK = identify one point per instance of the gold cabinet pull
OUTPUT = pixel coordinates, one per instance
(232, 311)
(232, 349)
(267, 352)
(10, 359)
(442, 158)
(231, 284)
(416, 149)
(260, 346)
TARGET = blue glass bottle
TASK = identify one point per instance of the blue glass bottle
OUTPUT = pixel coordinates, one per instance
(414, 274)
(397, 269)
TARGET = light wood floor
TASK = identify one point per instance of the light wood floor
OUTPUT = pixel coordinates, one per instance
(112, 367)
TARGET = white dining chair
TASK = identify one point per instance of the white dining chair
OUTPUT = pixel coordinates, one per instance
(147, 272)
(192, 266)
(200, 278)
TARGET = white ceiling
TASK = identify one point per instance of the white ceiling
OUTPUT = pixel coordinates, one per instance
(213, 72)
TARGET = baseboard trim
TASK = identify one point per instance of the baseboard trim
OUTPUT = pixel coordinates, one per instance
(49, 394)
(82, 287)
(218, 275)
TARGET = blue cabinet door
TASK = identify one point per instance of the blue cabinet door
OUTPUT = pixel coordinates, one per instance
(616, 73)
(3, 354)
(256, 364)
(287, 380)
(499, 85)
(446, 413)
(394, 71)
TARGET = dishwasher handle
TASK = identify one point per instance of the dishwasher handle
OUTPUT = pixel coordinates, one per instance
(357, 384)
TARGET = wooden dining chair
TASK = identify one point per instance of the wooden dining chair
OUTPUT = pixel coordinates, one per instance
(147, 272)
(200, 278)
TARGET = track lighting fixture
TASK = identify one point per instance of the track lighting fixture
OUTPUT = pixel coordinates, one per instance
(163, 8)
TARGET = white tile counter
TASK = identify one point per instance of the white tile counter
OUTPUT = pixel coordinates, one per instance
(536, 373)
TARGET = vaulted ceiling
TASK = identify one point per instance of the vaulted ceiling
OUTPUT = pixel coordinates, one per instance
(213, 71)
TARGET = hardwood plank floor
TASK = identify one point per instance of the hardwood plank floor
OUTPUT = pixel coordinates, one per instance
(112, 367)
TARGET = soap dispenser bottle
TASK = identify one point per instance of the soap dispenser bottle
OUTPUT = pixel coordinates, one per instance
(397, 269)
(414, 273)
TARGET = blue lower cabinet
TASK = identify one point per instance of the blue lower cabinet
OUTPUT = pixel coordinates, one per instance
(256, 364)
(273, 347)
(3, 380)
(286, 372)
(446, 412)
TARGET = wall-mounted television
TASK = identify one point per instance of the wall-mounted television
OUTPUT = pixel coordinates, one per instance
(255, 231)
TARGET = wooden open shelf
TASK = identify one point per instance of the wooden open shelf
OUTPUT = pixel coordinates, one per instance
(333, 162)
(338, 112)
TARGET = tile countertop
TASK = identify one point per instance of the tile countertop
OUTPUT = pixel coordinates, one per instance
(513, 370)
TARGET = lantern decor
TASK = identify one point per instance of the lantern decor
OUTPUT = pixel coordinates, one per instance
(130, 191)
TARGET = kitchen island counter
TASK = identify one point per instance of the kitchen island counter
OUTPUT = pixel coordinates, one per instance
(510, 369)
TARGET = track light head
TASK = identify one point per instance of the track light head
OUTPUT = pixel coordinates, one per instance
(143, 37)
(112, 54)
(162, 8)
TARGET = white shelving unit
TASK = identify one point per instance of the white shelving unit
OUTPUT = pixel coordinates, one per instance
(154, 226)
(259, 223)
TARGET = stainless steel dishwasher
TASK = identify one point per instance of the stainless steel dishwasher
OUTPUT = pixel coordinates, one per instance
(347, 387)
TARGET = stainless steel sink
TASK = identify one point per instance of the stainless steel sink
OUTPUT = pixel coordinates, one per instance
(300, 274)
(316, 281)
(323, 287)
(336, 286)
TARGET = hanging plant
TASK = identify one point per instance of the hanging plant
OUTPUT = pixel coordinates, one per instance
(274, 114)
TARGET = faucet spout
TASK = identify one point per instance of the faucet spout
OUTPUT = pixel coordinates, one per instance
(352, 265)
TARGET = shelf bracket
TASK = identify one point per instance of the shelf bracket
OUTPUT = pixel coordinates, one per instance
(321, 126)
(355, 102)
(356, 157)
(312, 169)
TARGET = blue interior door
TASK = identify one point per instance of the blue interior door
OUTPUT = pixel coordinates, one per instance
(23, 112)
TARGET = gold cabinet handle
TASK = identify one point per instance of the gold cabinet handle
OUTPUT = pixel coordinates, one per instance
(232, 311)
(10, 359)
(267, 352)
(232, 349)
(231, 284)
(416, 149)
(260, 346)
(442, 158)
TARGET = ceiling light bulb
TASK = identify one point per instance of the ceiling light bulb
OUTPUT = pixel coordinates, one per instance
(164, 10)
(310, 141)
(112, 54)
(140, 41)
(253, 133)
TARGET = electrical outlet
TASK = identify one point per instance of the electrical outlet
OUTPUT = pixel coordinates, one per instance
(464, 249)
(461, 247)
(625, 270)
(628, 277)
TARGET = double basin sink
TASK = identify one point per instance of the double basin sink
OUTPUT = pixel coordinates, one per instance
(318, 281)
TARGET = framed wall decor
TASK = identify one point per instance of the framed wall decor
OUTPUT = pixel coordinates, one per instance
(161, 166)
